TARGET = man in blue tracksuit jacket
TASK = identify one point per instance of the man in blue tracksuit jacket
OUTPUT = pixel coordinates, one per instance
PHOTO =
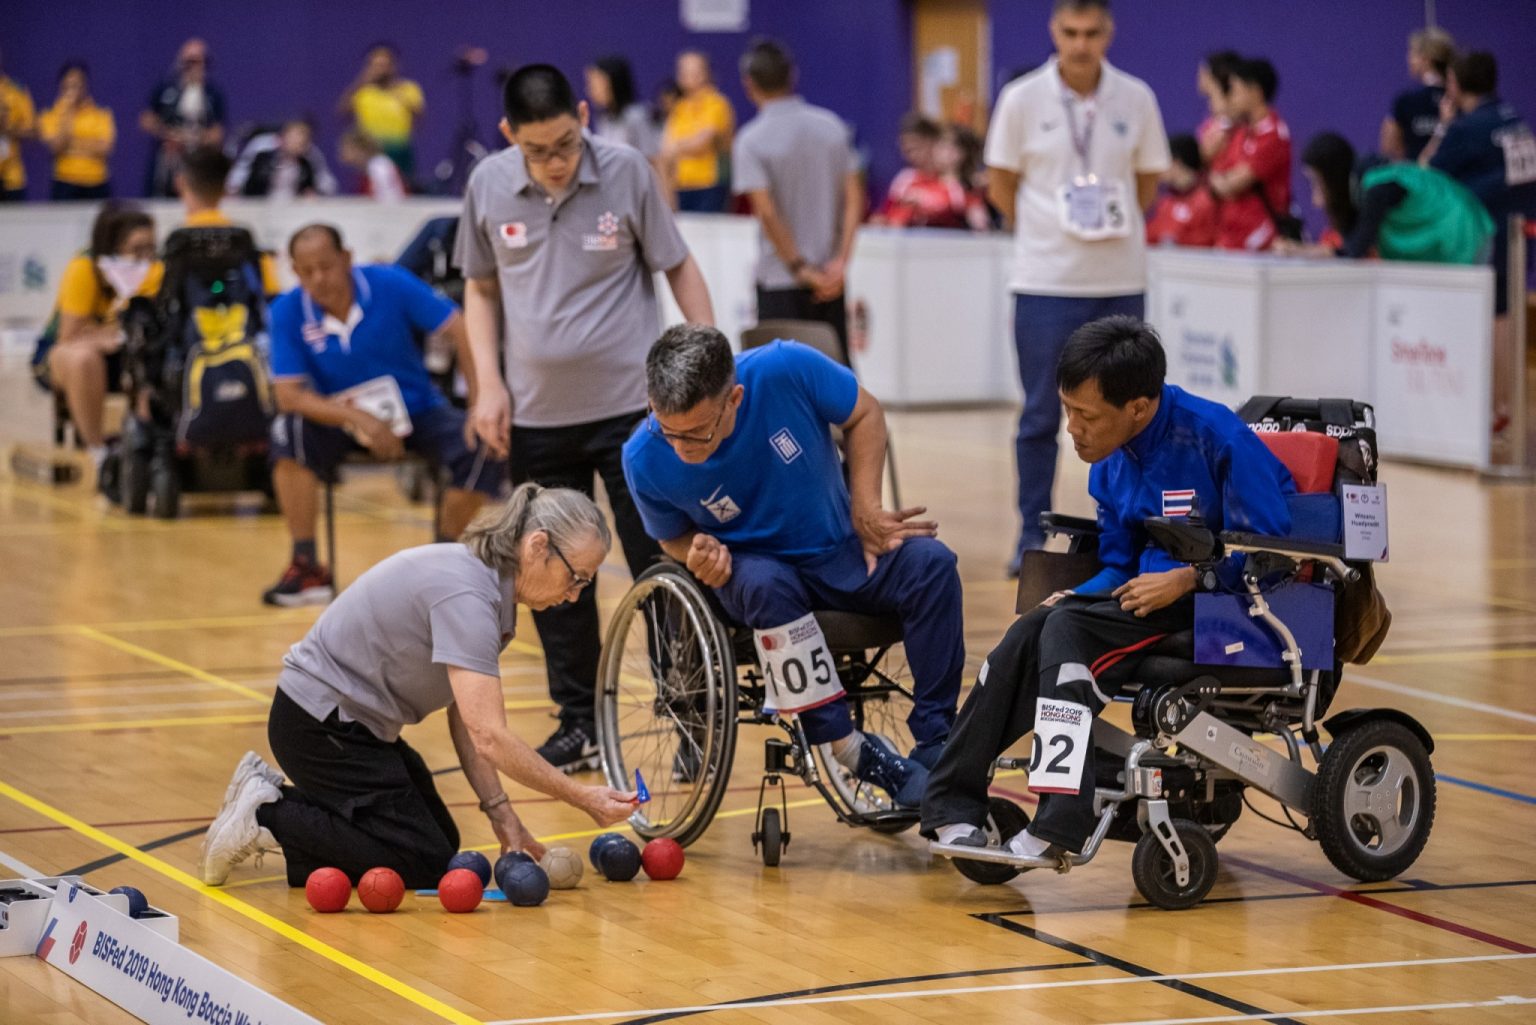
(1156, 450)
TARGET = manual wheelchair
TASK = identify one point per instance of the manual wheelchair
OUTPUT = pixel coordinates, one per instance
(1175, 785)
(676, 681)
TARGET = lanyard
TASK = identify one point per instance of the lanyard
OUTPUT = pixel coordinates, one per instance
(1080, 143)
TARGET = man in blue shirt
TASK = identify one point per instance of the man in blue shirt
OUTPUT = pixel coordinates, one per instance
(736, 475)
(343, 327)
(1156, 450)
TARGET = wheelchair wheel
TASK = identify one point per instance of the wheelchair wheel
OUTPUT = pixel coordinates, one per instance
(772, 838)
(879, 686)
(1374, 800)
(666, 704)
(134, 481)
(1004, 820)
(1153, 872)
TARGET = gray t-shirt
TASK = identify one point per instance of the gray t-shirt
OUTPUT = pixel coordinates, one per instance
(578, 300)
(380, 653)
(802, 155)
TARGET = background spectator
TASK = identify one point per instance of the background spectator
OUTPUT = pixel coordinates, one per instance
(381, 176)
(618, 115)
(697, 138)
(1405, 212)
(282, 165)
(931, 191)
(1416, 112)
(1211, 81)
(1185, 211)
(185, 111)
(795, 164)
(80, 135)
(385, 107)
(1252, 174)
(18, 123)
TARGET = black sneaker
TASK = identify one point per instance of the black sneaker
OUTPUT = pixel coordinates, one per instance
(571, 748)
(302, 583)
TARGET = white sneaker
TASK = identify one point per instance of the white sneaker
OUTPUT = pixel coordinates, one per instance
(235, 834)
(251, 764)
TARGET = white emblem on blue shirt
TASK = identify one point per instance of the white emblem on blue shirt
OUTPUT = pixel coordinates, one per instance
(721, 506)
(785, 445)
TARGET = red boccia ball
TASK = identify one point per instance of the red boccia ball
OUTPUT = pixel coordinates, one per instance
(662, 858)
(328, 890)
(381, 890)
(460, 890)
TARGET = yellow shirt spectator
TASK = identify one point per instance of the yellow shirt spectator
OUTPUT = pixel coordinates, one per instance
(17, 118)
(387, 113)
(217, 219)
(706, 108)
(83, 294)
(91, 133)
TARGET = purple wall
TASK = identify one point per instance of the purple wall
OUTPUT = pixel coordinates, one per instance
(297, 55)
(1340, 63)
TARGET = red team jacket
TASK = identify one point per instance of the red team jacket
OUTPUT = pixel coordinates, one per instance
(1183, 219)
(1265, 146)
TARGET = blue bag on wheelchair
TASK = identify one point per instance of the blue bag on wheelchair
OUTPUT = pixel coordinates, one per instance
(1227, 634)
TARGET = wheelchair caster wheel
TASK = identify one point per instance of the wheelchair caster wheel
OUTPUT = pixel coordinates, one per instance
(1004, 820)
(1153, 871)
(771, 838)
(1374, 800)
(133, 481)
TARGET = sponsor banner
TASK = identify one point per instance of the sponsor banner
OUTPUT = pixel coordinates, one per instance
(146, 974)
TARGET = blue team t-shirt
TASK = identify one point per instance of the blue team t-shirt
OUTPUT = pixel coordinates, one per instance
(395, 307)
(775, 485)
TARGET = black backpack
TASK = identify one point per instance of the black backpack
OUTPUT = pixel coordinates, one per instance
(215, 318)
(1353, 423)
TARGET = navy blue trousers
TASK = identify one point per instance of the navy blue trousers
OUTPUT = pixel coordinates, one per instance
(918, 583)
(1041, 326)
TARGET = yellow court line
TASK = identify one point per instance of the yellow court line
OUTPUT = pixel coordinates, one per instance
(1484, 736)
(1464, 655)
(171, 663)
(277, 925)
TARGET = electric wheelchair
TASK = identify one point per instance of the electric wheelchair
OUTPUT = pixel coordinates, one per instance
(676, 680)
(1177, 783)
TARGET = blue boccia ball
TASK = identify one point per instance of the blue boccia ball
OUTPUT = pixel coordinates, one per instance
(137, 903)
(476, 862)
(598, 844)
(619, 861)
(525, 885)
(506, 863)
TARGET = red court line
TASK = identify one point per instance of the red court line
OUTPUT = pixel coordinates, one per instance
(1380, 905)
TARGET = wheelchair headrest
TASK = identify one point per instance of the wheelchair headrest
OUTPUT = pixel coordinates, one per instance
(1312, 458)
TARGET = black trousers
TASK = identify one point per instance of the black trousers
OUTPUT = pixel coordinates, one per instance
(355, 802)
(797, 304)
(572, 457)
(1082, 650)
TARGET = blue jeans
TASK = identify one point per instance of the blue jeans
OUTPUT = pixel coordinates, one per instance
(711, 200)
(918, 583)
(1041, 326)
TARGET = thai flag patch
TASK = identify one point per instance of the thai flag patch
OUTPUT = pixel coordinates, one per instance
(1178, 503)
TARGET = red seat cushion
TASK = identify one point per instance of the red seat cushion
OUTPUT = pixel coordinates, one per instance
(1311, 457)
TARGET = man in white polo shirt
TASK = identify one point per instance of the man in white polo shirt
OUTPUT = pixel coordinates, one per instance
(1073, 156)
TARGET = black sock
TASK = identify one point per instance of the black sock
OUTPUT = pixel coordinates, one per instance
(305, 551)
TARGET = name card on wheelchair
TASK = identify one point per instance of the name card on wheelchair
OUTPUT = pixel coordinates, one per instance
(797, 666)
(1227, 634)
(380, 398)
(1365, 521)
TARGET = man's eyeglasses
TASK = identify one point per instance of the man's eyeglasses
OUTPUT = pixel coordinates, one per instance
(654, 426)
(562, 150)
(578, 582)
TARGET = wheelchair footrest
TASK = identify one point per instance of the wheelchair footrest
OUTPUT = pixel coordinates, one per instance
(1002, 856)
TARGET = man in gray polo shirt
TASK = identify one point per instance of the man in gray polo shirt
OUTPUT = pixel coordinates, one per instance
(420, 631)
(796, 165)
(559, 242)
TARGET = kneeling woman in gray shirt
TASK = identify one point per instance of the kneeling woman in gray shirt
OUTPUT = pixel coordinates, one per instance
(422, 630)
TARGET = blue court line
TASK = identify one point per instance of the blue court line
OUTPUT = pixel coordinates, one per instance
(1485, 788)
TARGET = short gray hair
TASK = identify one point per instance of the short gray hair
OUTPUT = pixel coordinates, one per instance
(688, 364)
(567, 516)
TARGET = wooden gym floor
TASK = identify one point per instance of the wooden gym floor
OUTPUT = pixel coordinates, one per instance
(136, 664)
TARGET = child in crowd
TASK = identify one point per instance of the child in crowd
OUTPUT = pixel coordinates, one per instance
(1184, 213)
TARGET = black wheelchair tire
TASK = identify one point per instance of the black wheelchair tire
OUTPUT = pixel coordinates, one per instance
(134, 481)
(1152, 868)
(772, 838)
(165, 486)
(1004, 820)
(1349, 763)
